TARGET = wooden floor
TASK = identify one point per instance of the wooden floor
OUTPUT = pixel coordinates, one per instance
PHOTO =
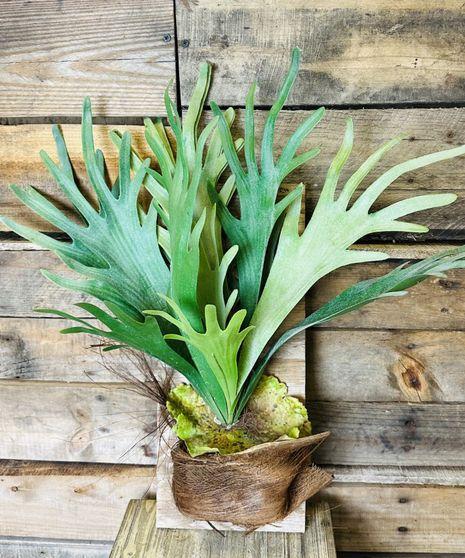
(388, 381)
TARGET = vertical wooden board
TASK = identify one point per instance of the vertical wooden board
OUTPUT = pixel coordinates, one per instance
(119, 53)
(289, 366)
(139, 538)
(353, 52)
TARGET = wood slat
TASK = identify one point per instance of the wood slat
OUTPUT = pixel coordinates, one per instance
(397, 519)
(34, 349)
(429, 130)
(53, 54)
(406, 434)
(353, 52)
(74, 503)
(386, 365)
(78, 422)
(398, 475)
(139, 537)
(103, 423)
(21, 164)
(32, 548)
(435, 304)
(342, 365)
(89, 502)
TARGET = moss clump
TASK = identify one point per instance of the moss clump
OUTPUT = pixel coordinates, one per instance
(273, 413)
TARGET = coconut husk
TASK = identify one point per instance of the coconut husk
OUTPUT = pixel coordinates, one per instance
(250, 488)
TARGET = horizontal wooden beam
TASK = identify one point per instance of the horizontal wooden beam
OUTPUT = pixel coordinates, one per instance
(406, 434)
(28, 547)
(386, 365)
(365, 516)
(434, 304)
(429, 130)
(342, 364)
(120, 54)
(96, 423)
(397, 518)
(352, 52)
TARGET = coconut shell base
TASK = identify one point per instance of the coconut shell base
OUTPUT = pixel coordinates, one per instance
(251, 488)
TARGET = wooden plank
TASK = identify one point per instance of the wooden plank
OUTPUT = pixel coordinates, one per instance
(435, 304)
(100, 423)
(406, 434)
(289, 367)
(398, 475)
(428, 130)
(80, 502)
(20, 163)
(342, 365)
(120, 54)
(432, 129)
(104, 423)
(33, 548)
(45, 503)
(386, 365)
(353, 52)
(139, 537)
(397, 519)
(34, 349)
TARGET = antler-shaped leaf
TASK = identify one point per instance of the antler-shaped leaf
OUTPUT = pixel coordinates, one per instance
(190, 145)
(218, 346)
(393, 283)
(130, 273)
(301, 260)
(143, 335)
(258, 186)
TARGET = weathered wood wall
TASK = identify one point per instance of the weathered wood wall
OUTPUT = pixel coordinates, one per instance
(389, 381)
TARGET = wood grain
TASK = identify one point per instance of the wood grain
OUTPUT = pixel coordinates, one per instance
(98, 423)
(34, 349)
(32, 548)
(353, 52)
(386, 365)
(138, 537)
(406, 434)
(435, 304)
(21, 164)
(53, 54)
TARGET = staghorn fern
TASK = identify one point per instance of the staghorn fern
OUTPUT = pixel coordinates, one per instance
(185, 279)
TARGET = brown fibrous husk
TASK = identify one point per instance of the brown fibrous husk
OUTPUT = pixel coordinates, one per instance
(250, 488)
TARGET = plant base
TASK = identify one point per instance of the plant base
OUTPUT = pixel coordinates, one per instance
(251, 488)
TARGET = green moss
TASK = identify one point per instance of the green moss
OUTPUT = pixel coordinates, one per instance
(273, 413)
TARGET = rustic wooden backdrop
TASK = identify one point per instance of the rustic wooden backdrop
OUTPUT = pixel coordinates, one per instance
(388, 381)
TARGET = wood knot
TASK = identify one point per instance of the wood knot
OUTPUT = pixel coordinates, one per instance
(411, 377)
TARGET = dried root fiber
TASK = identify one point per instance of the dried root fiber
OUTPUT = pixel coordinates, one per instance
(251, 488)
